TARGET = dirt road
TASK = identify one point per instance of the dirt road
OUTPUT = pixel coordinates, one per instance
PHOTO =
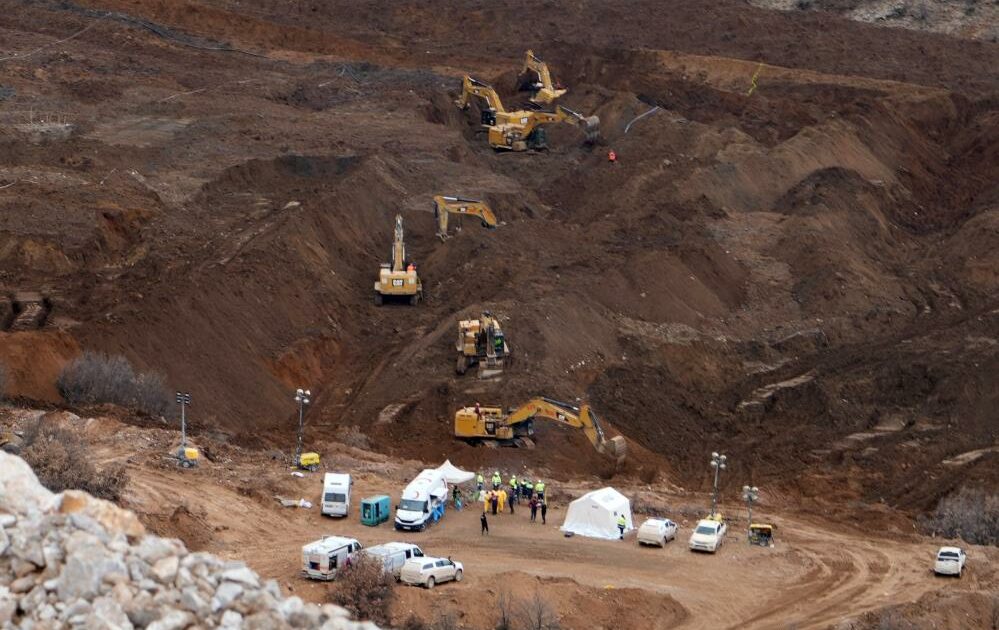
(819, 573)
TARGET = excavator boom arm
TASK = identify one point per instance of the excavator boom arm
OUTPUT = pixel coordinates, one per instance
(547, 91)
(471, 87)
(398, 246)
(570, 415)
(444, 206)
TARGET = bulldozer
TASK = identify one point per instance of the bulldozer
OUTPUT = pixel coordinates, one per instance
(398, 279)
(522, 129)
(536, 78)
(445, 206)
(491, 425)
(481, 342)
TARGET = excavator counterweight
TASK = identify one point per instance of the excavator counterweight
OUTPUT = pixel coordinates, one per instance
(516, 428)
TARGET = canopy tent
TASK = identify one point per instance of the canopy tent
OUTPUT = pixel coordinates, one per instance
(453, 474)
(595, 514)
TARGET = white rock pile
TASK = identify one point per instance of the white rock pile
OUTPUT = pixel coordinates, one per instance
(72, 561)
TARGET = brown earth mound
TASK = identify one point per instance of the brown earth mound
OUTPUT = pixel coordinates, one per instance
(802, 276)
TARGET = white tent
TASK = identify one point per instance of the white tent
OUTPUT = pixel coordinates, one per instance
(453, 474)
(595, 514)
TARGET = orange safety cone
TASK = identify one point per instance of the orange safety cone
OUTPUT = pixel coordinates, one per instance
(611, 156)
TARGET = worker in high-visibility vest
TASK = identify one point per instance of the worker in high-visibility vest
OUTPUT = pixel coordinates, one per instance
(539, 489)
(497, 480)
(529, 486)
(514, 489)
(622, 522)
(479, 480)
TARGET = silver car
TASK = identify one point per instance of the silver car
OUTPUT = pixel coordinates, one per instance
(950, 561)
(429, 571)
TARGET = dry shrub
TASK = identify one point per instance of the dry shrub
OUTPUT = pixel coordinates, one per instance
(352, 436)
(60, 459)
(413, 623)
(972, 515)
(648, 474)
(537, 614)
(98, 378)
(445, 620)
(893, 620)
(365, 589)
(505, 606)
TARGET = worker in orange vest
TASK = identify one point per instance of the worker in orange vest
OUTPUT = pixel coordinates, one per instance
(611, 156)
(411, 267)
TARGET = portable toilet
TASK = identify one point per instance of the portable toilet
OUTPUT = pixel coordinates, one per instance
(375, 510)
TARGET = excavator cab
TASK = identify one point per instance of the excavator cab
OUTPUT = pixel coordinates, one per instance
(481, 342)
(488, 117)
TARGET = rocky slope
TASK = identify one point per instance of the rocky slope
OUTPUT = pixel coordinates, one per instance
(72, 561)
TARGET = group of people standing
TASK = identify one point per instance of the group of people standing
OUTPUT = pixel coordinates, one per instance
(499, 498)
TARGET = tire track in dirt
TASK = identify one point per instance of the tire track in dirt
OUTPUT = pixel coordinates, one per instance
(856, 575)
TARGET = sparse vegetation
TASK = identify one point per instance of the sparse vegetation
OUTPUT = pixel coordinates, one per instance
(352, 436)
(972, 515)
(61, 460)
(892, 620)
(365, 589)
(504, 604)
(445, 620)
(413, 622)
(98, 378)
(537, 614)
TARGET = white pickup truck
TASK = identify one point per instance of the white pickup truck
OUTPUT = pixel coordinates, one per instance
(708, 535)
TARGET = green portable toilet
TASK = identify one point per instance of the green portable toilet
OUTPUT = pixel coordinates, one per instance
(375, 510)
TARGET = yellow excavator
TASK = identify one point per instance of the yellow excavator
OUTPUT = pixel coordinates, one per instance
(445, 206)
(516, 427)
(398, 279)
(481, 342)
(522, 129)
(544, 90)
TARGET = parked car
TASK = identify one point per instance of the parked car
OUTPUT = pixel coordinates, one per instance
(394, 555)
(656, 531)
(429, 571)
(950, 561)
(708, 535)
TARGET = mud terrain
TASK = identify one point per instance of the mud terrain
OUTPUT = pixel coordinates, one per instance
(801, 274)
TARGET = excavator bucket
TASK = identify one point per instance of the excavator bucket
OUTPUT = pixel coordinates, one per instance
(617, 448)
(591, 127)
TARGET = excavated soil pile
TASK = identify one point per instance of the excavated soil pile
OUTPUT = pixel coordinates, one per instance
(801, 274)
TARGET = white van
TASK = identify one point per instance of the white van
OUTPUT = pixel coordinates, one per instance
(322, 558)
(336, 494)
(423, 501)
(394, 555)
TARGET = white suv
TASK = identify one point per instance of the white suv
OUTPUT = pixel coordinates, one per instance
(708, 535)
(430, 571)
(950, 561)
